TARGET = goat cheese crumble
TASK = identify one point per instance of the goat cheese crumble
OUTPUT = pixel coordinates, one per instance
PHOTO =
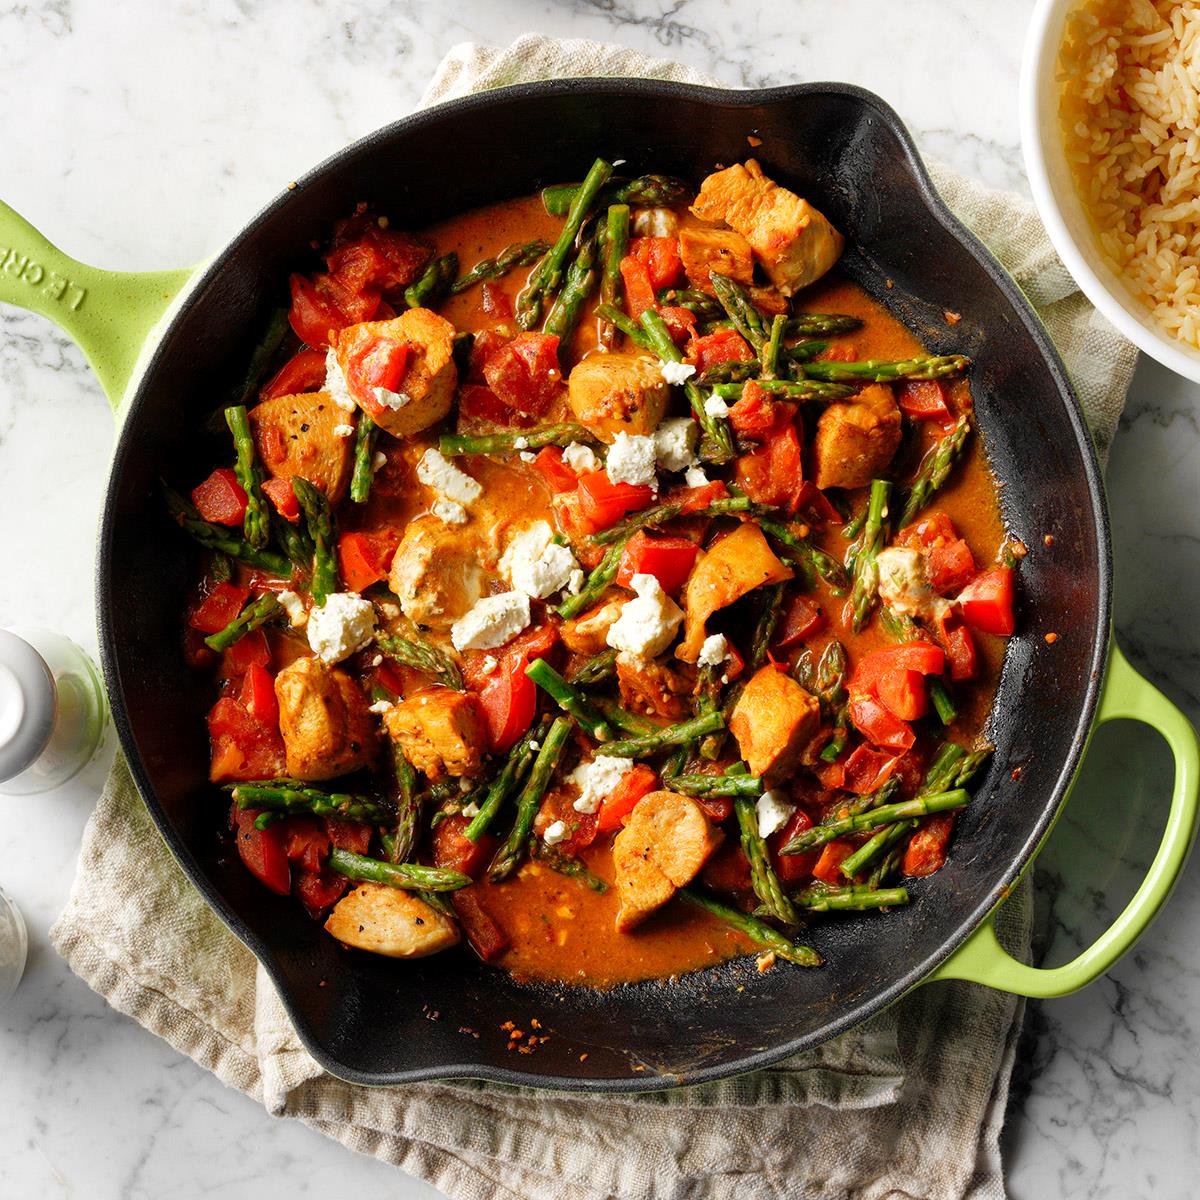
(335, 383)
(556, 832)
(714, 406)
(380, 707)
(491, 622)
(454, 488)
(654, 222)
(632, 459)
(714, 651)
(393, 400)
(580, 458)
(675, 443)
(695, 477)
(904, 584)
(294, 607)
(343, 431)
(774, 811)
(597, 780)
(648, 622)
(343, 624)
(676, 372)
(535, 564)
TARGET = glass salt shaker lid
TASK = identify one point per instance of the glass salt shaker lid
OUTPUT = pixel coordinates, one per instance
(27, 705)
(14, 946)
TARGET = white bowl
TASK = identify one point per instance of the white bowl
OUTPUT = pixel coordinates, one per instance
(1059, 204)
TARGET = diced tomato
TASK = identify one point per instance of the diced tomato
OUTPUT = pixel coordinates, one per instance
(482, 404)
(219, 607)
(243, 747)
(987, 602)
(370, 362)
(303, 372)
(509, 703)
(694, 499)
(324, 304)
(924, 400)
(668, 559)
(726, 345)
(660, 257)
(867, 769)
(828, 868)
(364, 558)
(525, 373)
(623, 799)
(318, 891)
(485, 343)
(220, 498)
(879, 725)
(195, 653)
(802, 618)
(367, 254)
(949, 562)
(679, 322)
(538, 641)
(453, 849)
(728, 870)
(262, 850)
(280, 493)
(895, 676)
(581, 828)
(757, 416)
(716, 808)
(271, 444)
(348, 835)
(553, 467)
(390, 676)
(487, 939)
(258, 695)
(812, 501)
(773, 474)
(926, 850)
(639, 291)
(306, 842)
(792, 867)
(247, 651)
(959, 644)
(494, 301)
(602, 503)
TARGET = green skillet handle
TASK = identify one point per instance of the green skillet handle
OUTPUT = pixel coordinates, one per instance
(107, 313)
(981, 959)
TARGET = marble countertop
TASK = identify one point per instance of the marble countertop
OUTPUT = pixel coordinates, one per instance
(141, 135)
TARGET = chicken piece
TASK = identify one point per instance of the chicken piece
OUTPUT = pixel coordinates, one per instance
(736, 565)
(440, 731)
(705, 251)
(438, 572)
(618, 392)
(661, 849)
(588, 633)
(389, 921)
(856, 439)
(773, 720)
(294, 435)
(654, 689)
(323, 715)
(430, 378)
(794, 242)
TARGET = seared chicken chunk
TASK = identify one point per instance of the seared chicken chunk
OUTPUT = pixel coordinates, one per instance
(294, 435)
(653, 688)
(440, 731)
(715, 251)
(391, 922)
(773, 720)
(661, 849)
(856, 438)
(438, 572)
(619, 392)
(323, 716)
(736, 565)
(794, 242)
(588, 633)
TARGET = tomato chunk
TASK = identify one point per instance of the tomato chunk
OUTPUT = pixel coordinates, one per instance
(959, 644)
(757, 415)
(867, 769)
(801, 619)
(219, 607)
(792, 867)
(623, 799)
(524, 373)
(660, 256)
(348, 835)
(987, 602)
(220, 498)
(554, 469)
(828, 868)
(926, 850)
(773, 474)
(895, 676)
(879, 725)
(602, 503)
(453, 849)
(324, 304)
(258, 694)
(372, 362)
(639, 291)
(262, 850)
(366, 254)
(924, 400)
(679, 322)
(303, 372)
(306, 842)
(319, 890)
(949, 562)
(364, 558)
(280, 493)
(487, 939)
(509, 703)
(668, 559)
(726, 345)
(244, 653)
(243, 746)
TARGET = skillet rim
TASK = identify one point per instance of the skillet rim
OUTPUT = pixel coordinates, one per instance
(658, 90)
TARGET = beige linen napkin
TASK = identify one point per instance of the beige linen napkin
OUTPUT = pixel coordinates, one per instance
(908, 1105)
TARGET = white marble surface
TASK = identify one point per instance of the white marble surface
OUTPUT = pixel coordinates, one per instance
(140, 135)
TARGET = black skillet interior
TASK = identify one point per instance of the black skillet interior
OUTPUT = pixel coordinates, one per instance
(377, 1021)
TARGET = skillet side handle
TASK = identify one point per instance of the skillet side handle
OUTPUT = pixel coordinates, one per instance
(107, 313)
(981, 959)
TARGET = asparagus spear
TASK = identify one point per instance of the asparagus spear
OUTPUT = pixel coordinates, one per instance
(758, 931)
(887, 866)
(791, 389)
(411, 876)
(519, 254)
(866, 566)
(717, 785)
(935, 469)
(762, 876)
(619, 717)
(821, 324)
(807, 350)
(569, 698)
(747, 320)
(451, 444)
(770, 608)
(287, 796)
(848, 899)
(545, 280)
(904, 629)
(626, 324)
(594, 670)
(263, 352)
(319, 519)
(571, 867)
(580, 281)
(256, 524)
(772, 351)
(647, 191)
(670, 735)
(434, 283)
(364, 453)
(421, 655)
(808, 555)
(616, 246)
(598, 581)
(508, 857)
(876, 370)
(408, 807)
(512, 774)
(296, 543)
(693, 299)
(718, 435)
(256, 614)
(733, 371)
(660, 514)
(222, 539)
(885, 814)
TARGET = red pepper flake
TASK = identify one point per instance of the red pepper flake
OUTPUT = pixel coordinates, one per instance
(583, 1057)
(1016, 774)
(534, 1023)
(1048, 539)
(293, 186)
(754, 141)
(1051, 638)
(765, 962)
(468, 1030)
(508, 1025)
(952, 318)
(1018, 548)
(887, 283)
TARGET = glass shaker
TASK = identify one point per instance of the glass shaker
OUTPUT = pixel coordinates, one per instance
(13, 947)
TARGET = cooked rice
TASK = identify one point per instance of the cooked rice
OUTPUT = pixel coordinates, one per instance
(1130, 114)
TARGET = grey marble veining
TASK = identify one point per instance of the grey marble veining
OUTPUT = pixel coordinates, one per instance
(142, 135)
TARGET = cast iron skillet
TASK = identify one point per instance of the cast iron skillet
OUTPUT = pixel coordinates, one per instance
(370, 1020)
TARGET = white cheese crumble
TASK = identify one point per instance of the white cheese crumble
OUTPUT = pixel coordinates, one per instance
(294, 607)
(521, 443)
(676, 372)
(714, 406)
(654, 222)
(489, 664)
(343, 624)
(580, 458)
(575, 583)
(491, 622)
(343, 431)
(535, 564)
(470, 810)
(631, 459)
(380, 707)
(597, 779)
(528, 456)
(695, 477)
(556, 832)
(379, 461)
(393, 400)
(774, 811)
(648, 622)
(335, 383)
(714, 652)
(675, 443)
(904, 584)
(454, 488)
